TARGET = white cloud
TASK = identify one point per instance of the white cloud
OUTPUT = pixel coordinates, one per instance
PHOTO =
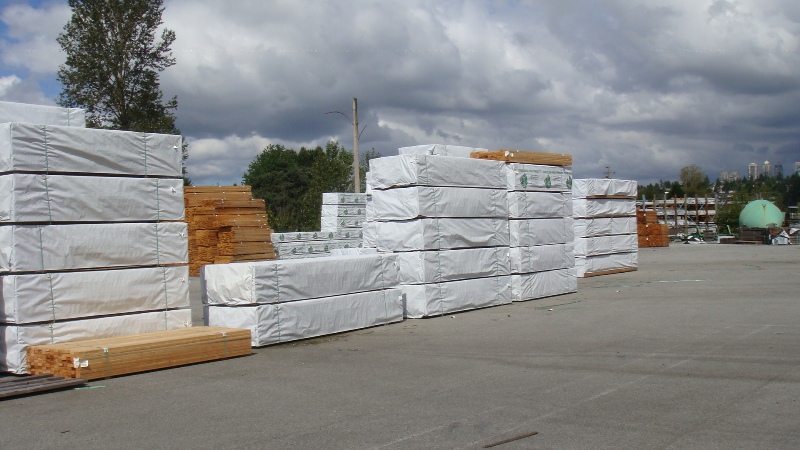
(30, 40)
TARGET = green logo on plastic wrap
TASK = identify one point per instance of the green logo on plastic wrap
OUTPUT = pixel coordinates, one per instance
(569, 182)
(547, 182)
(330, 235)
(524, 180)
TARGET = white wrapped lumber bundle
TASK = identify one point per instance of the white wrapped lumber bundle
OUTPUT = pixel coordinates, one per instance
(311, 249)
(531, 286)
(423, 201)
(303, 236)
(535, 177)
(603, 226)
(604, 245)
(353, 251)
(606, 264)
(57, 149)
(528, 232)
(46, 248)
(341, 223)
(358, 211)
(439, 234)
(420, 170)
(604, 188)
(267, 282)
(437, 266)
(42, 115)
(603, 207)
(539, 258)
(539, 205)
(283, 322)
(92, 359)
(343, 198)
(14, 339)
(439, 150)
(65, 198)
(436, 299)
(44, 297)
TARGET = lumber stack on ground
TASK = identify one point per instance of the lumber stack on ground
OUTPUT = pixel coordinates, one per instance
(110, 357)
(226, 224)
(651, 233)
(517, 156)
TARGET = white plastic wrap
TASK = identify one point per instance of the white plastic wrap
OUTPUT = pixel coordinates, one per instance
(54, 149)
(594, 187)
(527, 232)
(604, 263)
(283, 322)
(604, 245)
(266, 282)
(34, 248)
(428, 300)
(438, 266)
(71, 295)
(440, 150)
(539, 258)
(14, 339)
(343, 198)
(370, 233)
(602, 226)
(534, 177)
(535, 285)
(603, 207)
(336, 211)
(353, 251)
(437, 234)
(539, 205)
(42, 115)
(330, 235)
(64, 198)
(421, 170)
(293, 250)
(422, 201)
(341, 223)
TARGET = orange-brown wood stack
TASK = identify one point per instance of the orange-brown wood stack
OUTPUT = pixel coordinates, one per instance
(651, 233)
(226, 224)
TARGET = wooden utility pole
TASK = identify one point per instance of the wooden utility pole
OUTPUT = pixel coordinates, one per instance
(356, 169)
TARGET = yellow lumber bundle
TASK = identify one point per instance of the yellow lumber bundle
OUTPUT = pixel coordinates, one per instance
(651, 233)
(226, 224)
(517, 156)
(109, 357)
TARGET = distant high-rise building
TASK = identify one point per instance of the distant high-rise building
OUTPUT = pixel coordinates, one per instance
(778, 170)
(767, 169)
(797, 167)
(724, 176)
(752, 171)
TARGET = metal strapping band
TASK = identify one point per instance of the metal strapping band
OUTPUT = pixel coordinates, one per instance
(46, 175)
(144, 141)
(224, 344)
(108, 363)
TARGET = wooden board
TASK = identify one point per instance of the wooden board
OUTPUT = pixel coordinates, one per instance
(523, 157)
(109, 357)
(34, 384)
(609, 272)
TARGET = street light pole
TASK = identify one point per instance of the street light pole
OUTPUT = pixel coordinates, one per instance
(356, 169)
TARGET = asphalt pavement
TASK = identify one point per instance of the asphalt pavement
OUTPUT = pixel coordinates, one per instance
(699, 348)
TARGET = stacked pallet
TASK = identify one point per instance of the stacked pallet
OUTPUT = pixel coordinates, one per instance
(102, 358)
(226, 225)
(283, 301)
(606, 241)
(651, 233)
(446, 220)
(343, 211)
(540, 222)
(93, 242)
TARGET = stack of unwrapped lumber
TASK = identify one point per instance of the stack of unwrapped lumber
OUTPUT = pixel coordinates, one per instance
(605, 226)
(226, 224)
(102, 358)
(288, 300)
(651, 233)
(525, 157)
(92, 242)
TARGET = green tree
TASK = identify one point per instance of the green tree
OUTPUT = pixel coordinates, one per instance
(113, 63)
(693, 180)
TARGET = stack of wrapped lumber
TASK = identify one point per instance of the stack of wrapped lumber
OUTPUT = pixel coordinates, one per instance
(343, 211)
(540, 222)
(283, 301)
(651, 233)
(446, 219)
(226, 224)
(92, 238)
(109, 357)
(42, 115)
(605, 226)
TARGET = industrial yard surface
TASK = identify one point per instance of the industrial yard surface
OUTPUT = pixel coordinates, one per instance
(699, 348)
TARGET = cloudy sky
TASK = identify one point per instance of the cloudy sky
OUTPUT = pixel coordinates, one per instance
(642, 87)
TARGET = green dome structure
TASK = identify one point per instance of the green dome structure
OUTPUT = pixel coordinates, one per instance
(761, 214)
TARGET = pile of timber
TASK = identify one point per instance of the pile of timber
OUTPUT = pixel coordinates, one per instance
(226, 224)
(651, 233)
(525, 157)
(34, 384)
(110, 357)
